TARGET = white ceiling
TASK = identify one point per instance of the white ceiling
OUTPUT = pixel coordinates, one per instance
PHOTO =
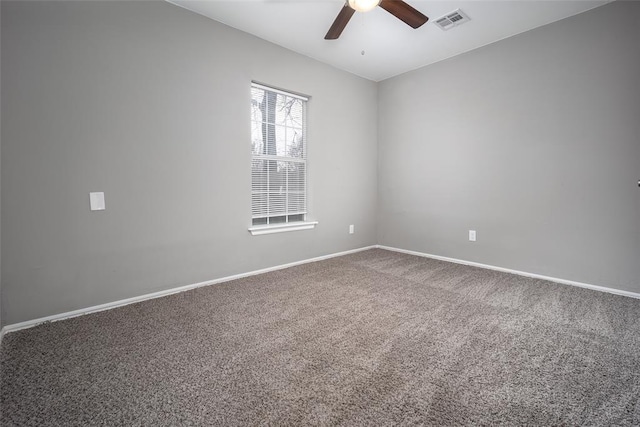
(390, 46)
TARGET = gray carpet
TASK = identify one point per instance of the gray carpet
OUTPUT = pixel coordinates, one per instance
(373, 338)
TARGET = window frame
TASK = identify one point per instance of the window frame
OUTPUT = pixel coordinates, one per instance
(287, 224)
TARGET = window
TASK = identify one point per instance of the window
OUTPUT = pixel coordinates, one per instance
(278, 160)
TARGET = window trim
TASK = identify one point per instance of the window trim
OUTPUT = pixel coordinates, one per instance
(281, 228)
(306, 223)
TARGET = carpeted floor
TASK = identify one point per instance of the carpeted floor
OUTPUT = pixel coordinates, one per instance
(373, 338)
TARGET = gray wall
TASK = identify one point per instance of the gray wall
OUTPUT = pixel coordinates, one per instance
(1, 310)
(533, 141)
(150, 104)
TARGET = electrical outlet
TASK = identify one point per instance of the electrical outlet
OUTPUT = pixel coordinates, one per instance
(472, 235)
(352, 229)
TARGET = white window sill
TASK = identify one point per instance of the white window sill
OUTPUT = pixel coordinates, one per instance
(281, 228)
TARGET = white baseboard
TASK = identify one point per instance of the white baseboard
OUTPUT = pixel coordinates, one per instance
(75, 313)
(67, 315)
(519, 273)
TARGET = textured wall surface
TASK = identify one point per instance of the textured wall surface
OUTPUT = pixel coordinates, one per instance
(534, 142)
(149, 103)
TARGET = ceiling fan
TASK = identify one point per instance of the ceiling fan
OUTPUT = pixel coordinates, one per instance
(397, 8)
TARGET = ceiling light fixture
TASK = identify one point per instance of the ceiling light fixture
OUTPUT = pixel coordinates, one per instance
(363, 5)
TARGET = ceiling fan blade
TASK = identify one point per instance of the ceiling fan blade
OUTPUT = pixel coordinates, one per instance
(404, 12)
(341, 21)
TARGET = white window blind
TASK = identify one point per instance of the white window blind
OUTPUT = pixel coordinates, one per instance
(279, 156)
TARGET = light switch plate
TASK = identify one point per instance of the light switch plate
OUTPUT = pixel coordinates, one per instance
(96, 201)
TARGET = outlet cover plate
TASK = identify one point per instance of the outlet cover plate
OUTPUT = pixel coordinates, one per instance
(96, 201)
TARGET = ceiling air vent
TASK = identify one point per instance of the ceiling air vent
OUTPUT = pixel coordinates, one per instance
(450, 20)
